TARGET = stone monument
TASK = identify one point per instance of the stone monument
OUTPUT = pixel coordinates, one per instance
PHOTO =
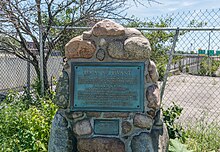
(108, 96)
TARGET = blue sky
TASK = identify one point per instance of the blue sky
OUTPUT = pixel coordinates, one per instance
(169, 6)
(192, 40)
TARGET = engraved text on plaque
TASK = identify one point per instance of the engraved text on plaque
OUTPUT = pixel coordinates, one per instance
(107, 86)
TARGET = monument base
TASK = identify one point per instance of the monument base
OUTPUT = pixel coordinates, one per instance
(84, 139)
(108, 96)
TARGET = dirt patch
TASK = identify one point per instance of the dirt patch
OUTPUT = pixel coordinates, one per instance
(199, 96)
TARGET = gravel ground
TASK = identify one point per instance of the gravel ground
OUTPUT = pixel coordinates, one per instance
(199, 96)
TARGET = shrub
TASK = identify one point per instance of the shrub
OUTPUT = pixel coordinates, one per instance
(208, 66)
(199, 136)
(187, 68)
(170, 115)
(25, 122)
(161, 70)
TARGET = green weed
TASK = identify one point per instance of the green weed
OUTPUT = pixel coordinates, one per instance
(204, 137)
(170, 115)
(25, 122)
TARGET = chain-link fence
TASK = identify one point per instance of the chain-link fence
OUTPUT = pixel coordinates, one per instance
(191, 52)
(194, 78)
(18, 74)
(194, 81)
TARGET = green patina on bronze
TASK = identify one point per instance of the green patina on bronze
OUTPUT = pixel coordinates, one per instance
(106, 127)
(107, 86)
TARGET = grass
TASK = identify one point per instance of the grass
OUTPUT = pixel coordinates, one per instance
(203, 137)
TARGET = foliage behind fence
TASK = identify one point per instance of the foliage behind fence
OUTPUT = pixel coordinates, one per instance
(190, 83)
(194, 80)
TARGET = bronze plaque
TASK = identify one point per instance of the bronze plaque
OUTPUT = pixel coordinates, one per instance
(106, 127)
(107, 86)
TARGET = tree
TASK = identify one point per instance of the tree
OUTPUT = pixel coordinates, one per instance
(160, 41)
(21, 21)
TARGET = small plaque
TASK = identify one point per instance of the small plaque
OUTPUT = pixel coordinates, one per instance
(106, 127)
(107, 86)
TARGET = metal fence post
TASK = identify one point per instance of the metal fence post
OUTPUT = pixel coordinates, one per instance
(28, 75)
(169, 63)
(209, 56)
(41, 60)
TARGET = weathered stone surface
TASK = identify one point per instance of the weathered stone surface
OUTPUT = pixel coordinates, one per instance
(158, 118)
(134, 48)
(62, 91)
(126, 127)
(142, 143)
(93, 114)
(153, 97)
(100, 55)
(151, 113)
(65, 63)
(70, 115)
(82, 128)
(137, 48)
(115, 50)
(116, 115)
(102, 42)
(87, 35)
(61, 139)
(160, 138)
(100, 145)
(79, 48)
(163, 140)
(152, 69)
(143, 121)
(77, 115)
(132, 32)
(107, 28)
(108, 41)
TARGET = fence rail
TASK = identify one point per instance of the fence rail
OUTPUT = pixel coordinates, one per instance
(19, 74)
(190, 80)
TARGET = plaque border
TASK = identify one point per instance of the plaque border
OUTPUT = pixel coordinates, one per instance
(101, 109)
